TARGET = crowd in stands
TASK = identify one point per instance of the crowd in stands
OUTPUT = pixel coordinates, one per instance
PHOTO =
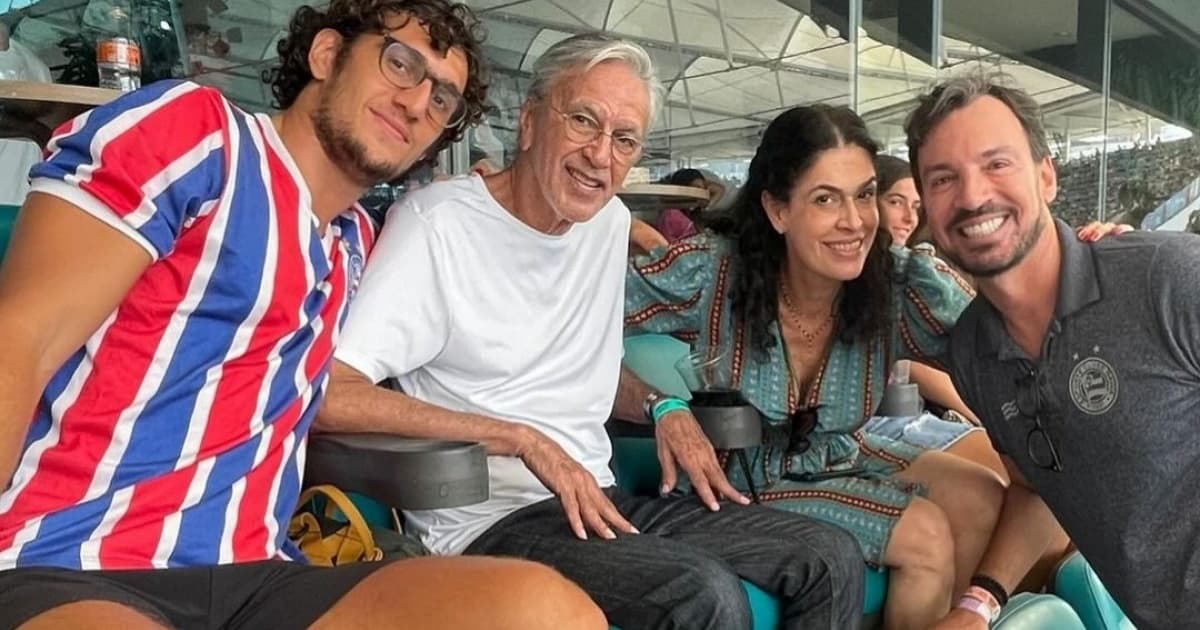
(1139, 179)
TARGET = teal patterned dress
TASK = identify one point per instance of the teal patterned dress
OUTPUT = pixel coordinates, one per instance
(683, 290)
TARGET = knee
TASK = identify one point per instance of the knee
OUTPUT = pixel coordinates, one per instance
(983, 495)
(922, 539)
(547, 600)
(92, 614)
(709, 595)
(839, 553)
(970, 493)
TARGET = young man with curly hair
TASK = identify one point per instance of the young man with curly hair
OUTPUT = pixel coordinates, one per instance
(175, 285)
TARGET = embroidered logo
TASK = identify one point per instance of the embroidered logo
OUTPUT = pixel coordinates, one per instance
(356, 273)
(1093, 386)
(1010, 410)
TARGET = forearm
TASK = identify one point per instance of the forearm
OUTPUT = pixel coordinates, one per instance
(1025, 531)
(631, 393)
(16, 409)
(354, 406)
(644, 237)
(20, 385)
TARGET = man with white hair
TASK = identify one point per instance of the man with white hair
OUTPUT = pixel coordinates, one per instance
(497, 303)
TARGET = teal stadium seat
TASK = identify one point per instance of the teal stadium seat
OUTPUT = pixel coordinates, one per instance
(1078, 585)
(1037, 611)
(8, 214)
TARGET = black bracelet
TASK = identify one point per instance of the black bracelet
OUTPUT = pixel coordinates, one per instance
(648, 404)
(991, 586)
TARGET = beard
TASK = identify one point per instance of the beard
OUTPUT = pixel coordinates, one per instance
(988, 269)
(350, 155)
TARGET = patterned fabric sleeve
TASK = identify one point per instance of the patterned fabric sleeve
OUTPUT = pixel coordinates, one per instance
(929, 298)
(665, 290)
(148, 163)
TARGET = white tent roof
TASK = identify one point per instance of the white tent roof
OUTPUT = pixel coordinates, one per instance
(730, 65)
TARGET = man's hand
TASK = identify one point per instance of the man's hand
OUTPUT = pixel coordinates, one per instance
(682, 444)
(586, 505)
(960, 619)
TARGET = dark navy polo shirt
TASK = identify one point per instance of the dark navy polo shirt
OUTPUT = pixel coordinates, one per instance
(1117, 391)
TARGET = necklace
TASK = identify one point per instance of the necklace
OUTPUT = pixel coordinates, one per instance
(810, 336)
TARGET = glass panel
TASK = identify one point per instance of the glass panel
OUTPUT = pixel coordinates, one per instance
(215, 42)
(1058, 59)
(892, 70)
(1154, 161)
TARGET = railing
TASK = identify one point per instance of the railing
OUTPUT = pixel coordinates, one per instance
(1174, 204)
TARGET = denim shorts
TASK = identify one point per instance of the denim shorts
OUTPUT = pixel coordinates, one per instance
(925, 431)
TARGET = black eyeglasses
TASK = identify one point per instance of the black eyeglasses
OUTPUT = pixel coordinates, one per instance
(802, 422)
(406, 68)
(583, 129)
(1038, 444)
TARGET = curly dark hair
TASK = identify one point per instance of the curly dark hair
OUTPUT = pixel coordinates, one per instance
(789, 147)
(450, 25)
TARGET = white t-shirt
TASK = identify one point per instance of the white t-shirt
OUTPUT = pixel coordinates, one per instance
(474, 311)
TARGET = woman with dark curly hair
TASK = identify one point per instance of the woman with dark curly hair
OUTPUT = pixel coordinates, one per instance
(809, 309)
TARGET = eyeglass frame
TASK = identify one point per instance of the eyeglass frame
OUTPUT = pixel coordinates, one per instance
(598, 131)
(457, 116)
(1031, 384)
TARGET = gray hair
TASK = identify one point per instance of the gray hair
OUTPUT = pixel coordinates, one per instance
(586, 51)
(959, 92)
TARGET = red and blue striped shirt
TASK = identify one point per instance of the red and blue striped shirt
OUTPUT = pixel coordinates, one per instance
(175, 436)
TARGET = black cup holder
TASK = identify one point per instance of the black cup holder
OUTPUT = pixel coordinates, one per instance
(730, 427)
(402, 473)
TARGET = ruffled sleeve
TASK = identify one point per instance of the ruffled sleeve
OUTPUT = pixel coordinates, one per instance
(929, 297)
(666, 290)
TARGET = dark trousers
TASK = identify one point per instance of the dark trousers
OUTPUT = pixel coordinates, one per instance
(682, 571)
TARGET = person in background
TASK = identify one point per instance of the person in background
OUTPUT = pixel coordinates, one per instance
(899, 203)
(175, 285)
(674, 224)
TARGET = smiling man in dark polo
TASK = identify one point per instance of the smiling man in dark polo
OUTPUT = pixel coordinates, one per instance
(1082, 361)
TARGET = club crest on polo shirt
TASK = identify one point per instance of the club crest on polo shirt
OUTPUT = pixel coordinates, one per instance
(356, 272)
(1093, 386)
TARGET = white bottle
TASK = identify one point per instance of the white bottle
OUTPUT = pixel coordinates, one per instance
(118, 56)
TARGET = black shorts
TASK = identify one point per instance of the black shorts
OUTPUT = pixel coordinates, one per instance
(270, 594)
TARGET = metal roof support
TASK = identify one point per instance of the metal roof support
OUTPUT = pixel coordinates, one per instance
(687, 93)
(724, 35)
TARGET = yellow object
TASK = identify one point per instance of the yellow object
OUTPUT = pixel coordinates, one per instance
(351, 541)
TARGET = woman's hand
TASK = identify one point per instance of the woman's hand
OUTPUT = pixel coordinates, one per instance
(1096, 230)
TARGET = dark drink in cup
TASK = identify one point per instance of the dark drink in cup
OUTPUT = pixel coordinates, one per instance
(717, 397)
